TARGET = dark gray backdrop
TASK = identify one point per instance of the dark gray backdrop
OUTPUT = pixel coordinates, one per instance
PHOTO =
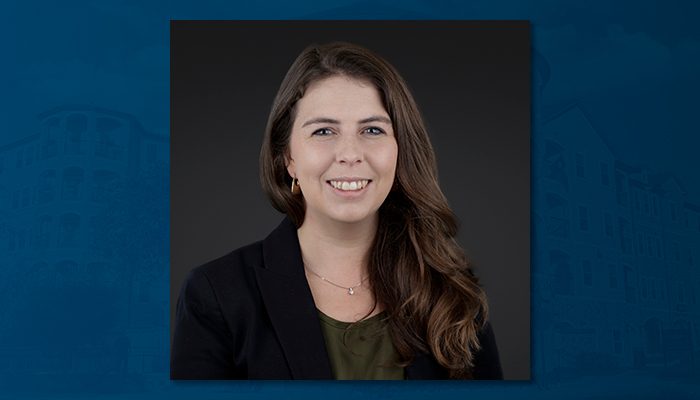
(472, 83)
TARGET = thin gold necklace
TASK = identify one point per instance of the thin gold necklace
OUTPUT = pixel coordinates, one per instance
(350, 289)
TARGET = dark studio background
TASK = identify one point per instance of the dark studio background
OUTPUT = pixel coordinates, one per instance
(85, 193)
(472, 83)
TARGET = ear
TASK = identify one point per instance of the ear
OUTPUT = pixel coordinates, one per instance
(291, 168)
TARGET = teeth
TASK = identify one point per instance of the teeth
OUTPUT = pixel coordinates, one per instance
(355, 185)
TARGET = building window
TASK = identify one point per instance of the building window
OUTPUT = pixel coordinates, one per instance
(72, 180)
(635, 200)
(689, 256)
(625, 238)
(640, 246)
(49, 145)
(47, 187)
(76, 127)
(29, 155)
(26, 197)
(555, 163)
(43, 273)
(645, 203)
(657, 247)
(608, 225)
(70, 225)
(21, 238)
(583, 218)
(579, 165)
(587, 272)
(629, 281)
(604, 175)
(676, 251)
(562, 276)
(620, 188)
(12, 242)
(20, 154)
(617, 341)
(557, 219)
(44, 231)
(672, 207)
(107, 133)
(655, 205)
(612, 276)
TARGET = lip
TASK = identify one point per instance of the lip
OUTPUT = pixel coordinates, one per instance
(348, 193)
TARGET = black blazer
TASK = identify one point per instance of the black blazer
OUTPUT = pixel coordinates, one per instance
(250, 315)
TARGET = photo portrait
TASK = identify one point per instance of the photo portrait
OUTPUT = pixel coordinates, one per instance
(350, 200)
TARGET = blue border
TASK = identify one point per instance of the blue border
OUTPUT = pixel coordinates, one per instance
(84, 191)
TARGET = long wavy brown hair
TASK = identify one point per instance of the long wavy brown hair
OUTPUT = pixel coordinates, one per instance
(417, 270)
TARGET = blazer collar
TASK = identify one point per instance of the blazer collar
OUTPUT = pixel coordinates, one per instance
(293, 313)
(290, 305)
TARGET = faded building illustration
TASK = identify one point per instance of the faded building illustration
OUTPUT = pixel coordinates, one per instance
(616, 257)
(64, 195)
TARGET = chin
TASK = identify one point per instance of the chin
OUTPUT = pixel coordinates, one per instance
(351, 217)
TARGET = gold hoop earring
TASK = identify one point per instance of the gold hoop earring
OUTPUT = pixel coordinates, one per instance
(296, 189)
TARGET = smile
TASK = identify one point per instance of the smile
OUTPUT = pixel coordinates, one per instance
(348, 186)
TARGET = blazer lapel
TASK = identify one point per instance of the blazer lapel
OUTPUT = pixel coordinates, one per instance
(290, 305)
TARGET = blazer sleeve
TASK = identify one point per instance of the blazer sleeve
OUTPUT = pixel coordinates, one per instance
(202, 345)
(487, 364)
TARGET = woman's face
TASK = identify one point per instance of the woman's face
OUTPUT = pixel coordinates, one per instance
(342, 150)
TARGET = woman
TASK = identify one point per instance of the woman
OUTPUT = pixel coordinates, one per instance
(364, 278)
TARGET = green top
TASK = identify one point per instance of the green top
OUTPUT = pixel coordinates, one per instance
(364, 351)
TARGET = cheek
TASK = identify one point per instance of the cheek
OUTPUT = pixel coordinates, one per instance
(311, 160)
(387, 159)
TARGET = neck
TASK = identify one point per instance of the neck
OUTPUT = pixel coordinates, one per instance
(337, 249)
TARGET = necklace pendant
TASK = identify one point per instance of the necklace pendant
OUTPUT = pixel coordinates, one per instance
(351, 291)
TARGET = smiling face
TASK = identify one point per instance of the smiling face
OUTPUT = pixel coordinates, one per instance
(342, 150)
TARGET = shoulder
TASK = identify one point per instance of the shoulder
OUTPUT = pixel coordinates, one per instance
(226, 277)
(215, 303)
(275, 251)
(239, 262)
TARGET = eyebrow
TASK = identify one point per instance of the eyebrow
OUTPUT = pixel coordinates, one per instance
(323, 120)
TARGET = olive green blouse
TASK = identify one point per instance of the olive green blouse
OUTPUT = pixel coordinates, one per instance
(360, 350)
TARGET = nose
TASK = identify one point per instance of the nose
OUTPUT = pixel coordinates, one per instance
(349, 150)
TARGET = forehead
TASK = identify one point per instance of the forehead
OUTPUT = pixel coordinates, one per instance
(342, 98)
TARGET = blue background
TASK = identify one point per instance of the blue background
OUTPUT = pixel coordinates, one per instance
(84, 248)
